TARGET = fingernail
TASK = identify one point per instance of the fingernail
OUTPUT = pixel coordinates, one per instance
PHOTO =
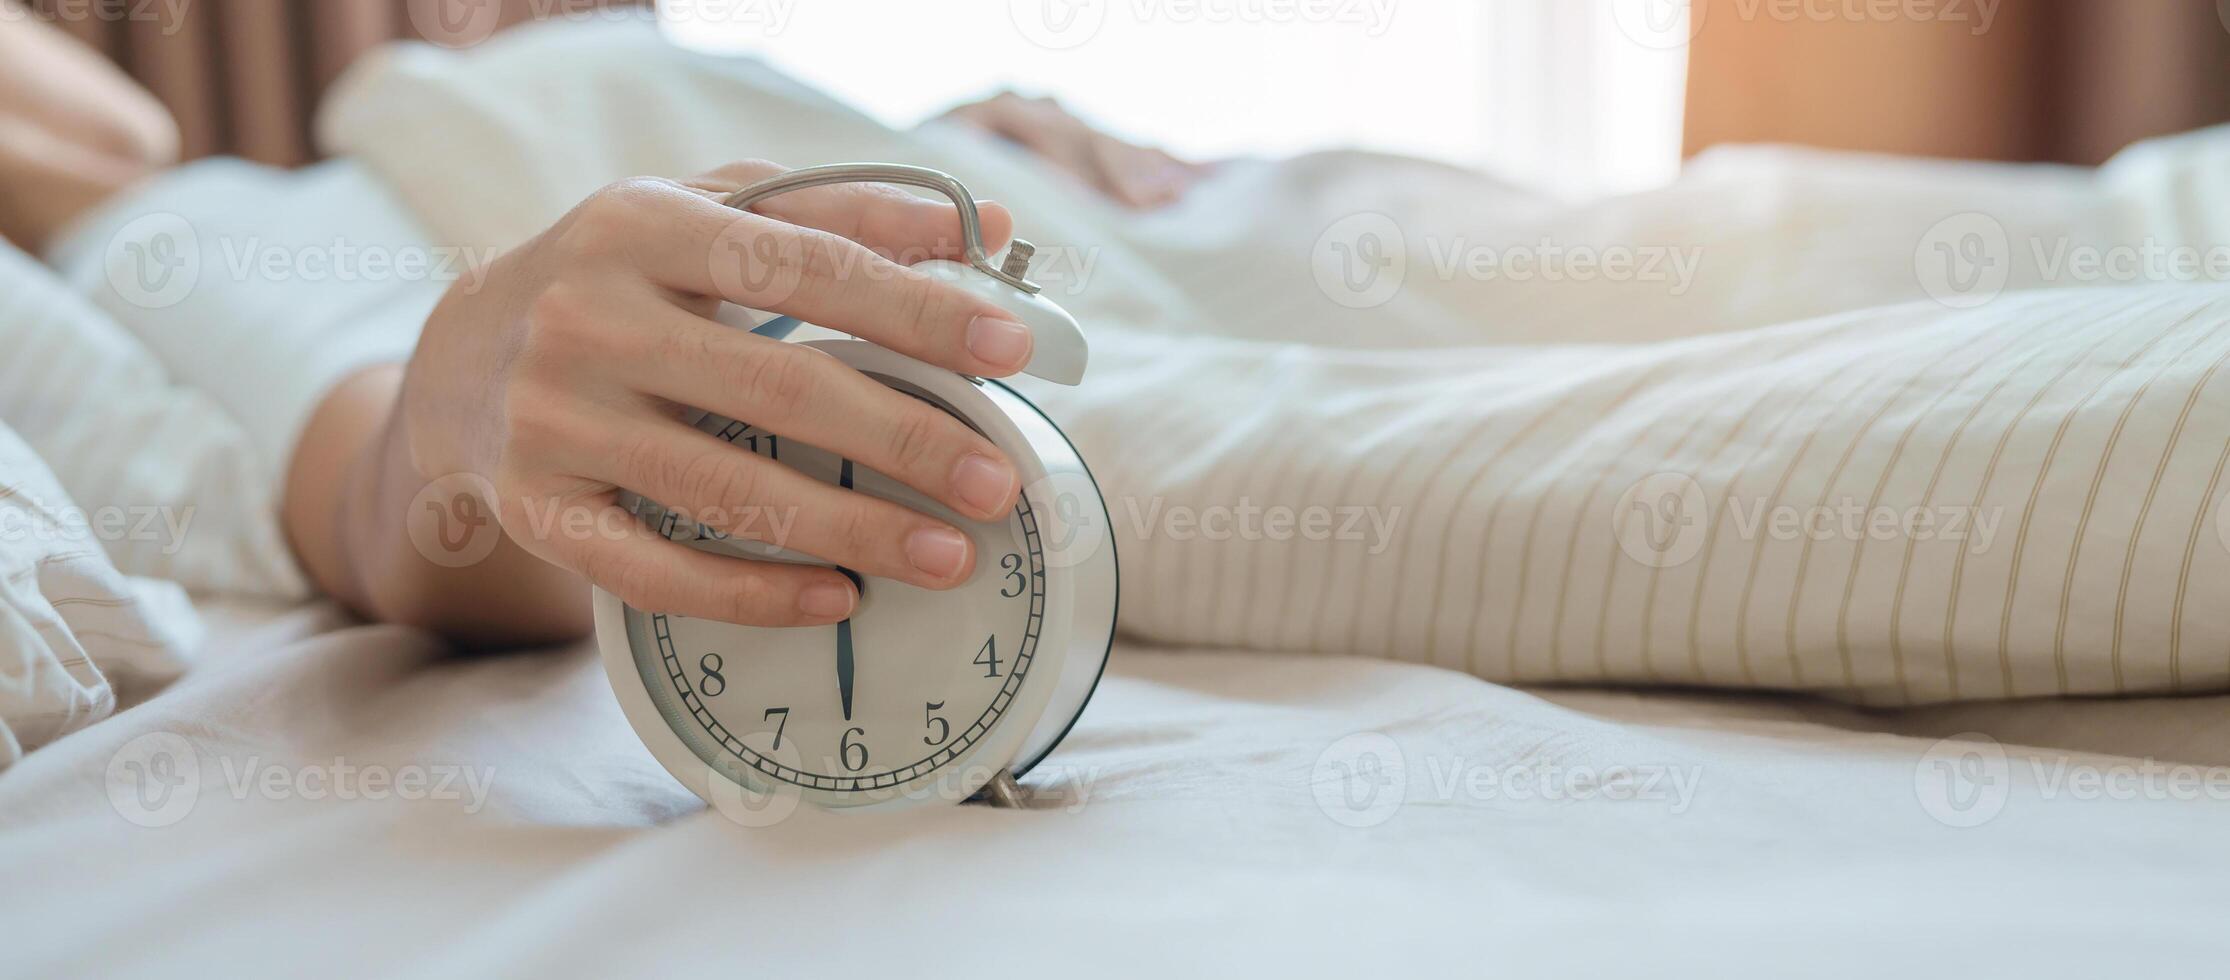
(938, 551)
(983, 482)
(825, 600)
(999, 342)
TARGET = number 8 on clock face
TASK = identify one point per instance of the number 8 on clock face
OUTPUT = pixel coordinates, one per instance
(922, 694)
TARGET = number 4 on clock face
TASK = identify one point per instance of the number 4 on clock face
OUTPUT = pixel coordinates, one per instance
(835, 707)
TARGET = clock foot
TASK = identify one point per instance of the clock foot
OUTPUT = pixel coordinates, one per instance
(1003, 792)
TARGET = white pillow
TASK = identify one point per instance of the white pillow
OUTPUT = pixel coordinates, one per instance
(72, 628)
(178, 489)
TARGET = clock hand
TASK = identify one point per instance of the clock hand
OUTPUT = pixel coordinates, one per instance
(844, 628)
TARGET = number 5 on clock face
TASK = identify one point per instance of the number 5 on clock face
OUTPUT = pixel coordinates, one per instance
(904, 688)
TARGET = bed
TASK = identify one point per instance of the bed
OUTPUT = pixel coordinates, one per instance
(1245, 793)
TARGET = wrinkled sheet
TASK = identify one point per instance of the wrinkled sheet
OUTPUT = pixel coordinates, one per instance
(1205, 816)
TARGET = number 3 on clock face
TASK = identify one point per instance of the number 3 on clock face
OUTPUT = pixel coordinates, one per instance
(920, 696)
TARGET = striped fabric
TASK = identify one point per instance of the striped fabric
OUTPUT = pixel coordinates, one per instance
(73, 631)
(1899, 505)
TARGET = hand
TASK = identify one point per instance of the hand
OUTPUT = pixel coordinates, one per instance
(567, 375)
(1133, 175)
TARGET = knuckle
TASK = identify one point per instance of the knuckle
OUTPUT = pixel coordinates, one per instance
(611, 215)
(822, 256)
(750, 169)
(557, 315)
(780, 380)
(918, 435)
(854, 535)
(533, 421)
(912, 301)
(626, 575)
(754, 596)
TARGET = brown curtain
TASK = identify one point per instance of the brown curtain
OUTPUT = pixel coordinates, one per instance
(244, 76)
(2052, 80)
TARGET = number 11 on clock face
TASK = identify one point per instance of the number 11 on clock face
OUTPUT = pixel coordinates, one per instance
(892, 695)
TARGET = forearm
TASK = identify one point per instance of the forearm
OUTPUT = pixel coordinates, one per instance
(46, 182)
(351, 492)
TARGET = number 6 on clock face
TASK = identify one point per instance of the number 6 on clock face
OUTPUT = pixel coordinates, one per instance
(921, 695)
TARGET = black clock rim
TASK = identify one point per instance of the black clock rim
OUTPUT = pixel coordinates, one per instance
(1115, 610)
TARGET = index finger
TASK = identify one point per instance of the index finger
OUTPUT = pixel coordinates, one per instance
(683, 241)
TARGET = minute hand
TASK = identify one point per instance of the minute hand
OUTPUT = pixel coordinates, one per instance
(844, 628)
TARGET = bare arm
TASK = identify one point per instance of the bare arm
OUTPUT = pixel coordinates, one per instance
(73, 129)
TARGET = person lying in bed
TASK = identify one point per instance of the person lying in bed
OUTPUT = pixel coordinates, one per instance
(538, 379)
(1638, 478)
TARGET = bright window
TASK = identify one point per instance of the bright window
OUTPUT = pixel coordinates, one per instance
(1555, 93)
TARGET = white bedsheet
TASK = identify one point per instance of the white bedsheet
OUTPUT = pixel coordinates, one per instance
(1180, 831)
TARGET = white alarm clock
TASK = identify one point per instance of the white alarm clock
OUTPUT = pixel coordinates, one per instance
(921, 696)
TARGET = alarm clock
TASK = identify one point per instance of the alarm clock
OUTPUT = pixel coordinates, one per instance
(922, 696)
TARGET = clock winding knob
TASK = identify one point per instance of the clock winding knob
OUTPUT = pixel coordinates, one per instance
(1018, 258)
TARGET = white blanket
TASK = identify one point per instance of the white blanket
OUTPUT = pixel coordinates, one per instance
(1329, 418)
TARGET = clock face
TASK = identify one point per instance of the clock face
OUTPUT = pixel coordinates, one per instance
(884, 701)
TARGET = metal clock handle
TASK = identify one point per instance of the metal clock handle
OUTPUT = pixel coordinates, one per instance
(971, 224)
(1002, 791)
